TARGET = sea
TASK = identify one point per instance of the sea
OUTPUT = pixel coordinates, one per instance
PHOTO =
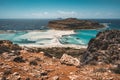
(17, 30)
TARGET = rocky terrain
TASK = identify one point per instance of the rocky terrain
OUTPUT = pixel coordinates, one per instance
(104, 48)
(100, 61)
(73, 24)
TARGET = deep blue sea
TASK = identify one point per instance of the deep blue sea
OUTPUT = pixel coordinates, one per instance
(14, 29)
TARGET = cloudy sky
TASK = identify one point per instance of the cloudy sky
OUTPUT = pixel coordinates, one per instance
(59, 8)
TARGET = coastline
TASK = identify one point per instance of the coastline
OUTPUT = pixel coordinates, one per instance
(51, 37)
(54, 45)
(54, 42)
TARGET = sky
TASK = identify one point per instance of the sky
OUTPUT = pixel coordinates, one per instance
(41, 9)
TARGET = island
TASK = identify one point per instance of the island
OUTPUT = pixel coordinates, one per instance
(74, 24)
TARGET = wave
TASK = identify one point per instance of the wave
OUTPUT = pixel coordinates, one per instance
(71, 40)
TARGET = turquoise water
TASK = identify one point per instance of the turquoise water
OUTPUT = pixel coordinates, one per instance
(81, 37)
(12, 36)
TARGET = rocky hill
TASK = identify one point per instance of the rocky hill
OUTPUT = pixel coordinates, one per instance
(73, 24)
(104, 48)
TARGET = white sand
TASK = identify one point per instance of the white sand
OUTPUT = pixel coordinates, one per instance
(53, 35)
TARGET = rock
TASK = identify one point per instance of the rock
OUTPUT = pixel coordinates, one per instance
(104, 48)
(57, 52)
(44, 78)
(17, 52)
(5, 55)
(50, 70)
(33, 62)
(73, 24)
(32, 50)
(18, 77)
(1, 63)
(55, 78)
(9, 56)
(7, 46)
(116, 69)
(7, 72)
(18, 59)
(69, 60)
(73, 77)
(15, 74)
(3, 78)
(27, 79)
(43, 73)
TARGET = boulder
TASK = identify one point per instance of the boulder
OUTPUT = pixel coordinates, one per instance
(69, 60)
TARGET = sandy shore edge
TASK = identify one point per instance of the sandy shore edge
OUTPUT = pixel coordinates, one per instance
(55, 35)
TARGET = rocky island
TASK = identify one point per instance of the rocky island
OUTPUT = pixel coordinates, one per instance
(100, 61)
(74, 24)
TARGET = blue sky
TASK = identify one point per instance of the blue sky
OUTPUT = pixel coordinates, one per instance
(59, 8)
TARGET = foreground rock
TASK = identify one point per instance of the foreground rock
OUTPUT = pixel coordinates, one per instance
(104, 48)
(73, 24)
(69, 60)
(8, 46)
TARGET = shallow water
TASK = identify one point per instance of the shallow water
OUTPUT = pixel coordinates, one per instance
(81, 37)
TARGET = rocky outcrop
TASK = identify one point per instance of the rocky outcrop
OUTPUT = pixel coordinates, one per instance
(69, 60)
(104, 48)
(8, 46)
(59, 51)
(73, 24)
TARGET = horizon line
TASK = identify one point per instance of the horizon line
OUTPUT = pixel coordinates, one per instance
(59, 18)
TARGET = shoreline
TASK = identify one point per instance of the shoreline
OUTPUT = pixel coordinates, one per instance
(54, 42)
(53, 46)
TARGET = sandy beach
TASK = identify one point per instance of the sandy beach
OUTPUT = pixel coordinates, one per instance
(51, 39)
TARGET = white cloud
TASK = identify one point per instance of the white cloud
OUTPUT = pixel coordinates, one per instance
(56, 14)
(39, 14)
(66, 12)
(45, 13)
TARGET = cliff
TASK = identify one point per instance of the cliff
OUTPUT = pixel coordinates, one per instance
(73, 24)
